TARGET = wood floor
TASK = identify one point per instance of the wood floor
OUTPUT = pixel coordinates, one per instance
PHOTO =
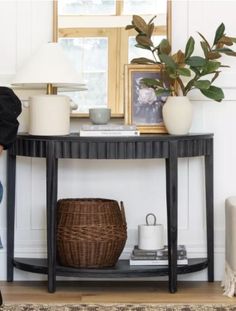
(114, 292)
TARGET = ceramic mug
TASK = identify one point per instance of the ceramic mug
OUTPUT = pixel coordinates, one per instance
(99, 115)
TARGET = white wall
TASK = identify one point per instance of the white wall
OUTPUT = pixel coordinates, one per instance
(24, 25)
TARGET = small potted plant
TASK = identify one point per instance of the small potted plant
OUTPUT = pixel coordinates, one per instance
(182, 71)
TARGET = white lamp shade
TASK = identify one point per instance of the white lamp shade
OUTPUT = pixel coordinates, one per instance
(49, 65)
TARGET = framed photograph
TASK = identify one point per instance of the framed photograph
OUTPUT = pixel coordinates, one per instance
(142, 107)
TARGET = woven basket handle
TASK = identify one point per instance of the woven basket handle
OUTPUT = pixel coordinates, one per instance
(122, 209)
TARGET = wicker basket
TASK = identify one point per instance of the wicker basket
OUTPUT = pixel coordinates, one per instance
(90, 232)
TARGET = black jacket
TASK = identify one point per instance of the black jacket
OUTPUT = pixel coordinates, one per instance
(10, 108)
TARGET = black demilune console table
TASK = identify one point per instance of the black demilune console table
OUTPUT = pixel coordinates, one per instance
(142, 147)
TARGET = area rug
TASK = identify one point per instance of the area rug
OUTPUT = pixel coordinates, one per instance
(119, 307)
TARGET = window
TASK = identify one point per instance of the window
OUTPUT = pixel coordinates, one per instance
(93, 34)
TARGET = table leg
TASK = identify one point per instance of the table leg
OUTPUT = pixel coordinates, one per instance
(11, 186)
(209, 182)
(172, 216)
(51, 164)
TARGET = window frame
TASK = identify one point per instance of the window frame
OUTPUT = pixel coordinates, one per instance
(116, 89)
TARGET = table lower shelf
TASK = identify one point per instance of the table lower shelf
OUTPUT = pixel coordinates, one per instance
(121, 269)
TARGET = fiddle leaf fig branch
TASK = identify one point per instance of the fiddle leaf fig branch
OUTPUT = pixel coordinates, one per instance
(200, 72)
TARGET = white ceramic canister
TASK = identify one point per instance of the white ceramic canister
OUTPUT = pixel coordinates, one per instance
(49, 115)
(150, 236)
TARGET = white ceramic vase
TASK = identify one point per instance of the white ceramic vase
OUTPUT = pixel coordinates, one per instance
(177, 115)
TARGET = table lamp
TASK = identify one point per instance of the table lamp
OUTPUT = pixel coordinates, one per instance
(49, 68)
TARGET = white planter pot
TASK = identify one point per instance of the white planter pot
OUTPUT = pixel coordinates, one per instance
(177, 115)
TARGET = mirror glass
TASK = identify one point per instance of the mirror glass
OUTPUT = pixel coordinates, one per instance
(93, 35)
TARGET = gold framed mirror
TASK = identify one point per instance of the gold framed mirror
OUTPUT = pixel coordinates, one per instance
(94, 36)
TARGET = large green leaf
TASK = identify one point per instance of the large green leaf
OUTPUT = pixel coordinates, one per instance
(223, 50)
(195, 70)
(215, 76)
(226, 40)
(196, 61)
(164, 47)
(161, 92)
(184, 72)
(142, 60)
(138, 31)
(189, 47)
(179, 58)
(171, 73)
(213, 55)
(167, 60)
(150, 30)
(226, 51)
(128, 27)
(202, 84)
(205, 40)
(210, 67)
(144, 40)
(140, 23)
(214, 93)
(170, 70)
(205, 48)
(152, 19)
(231, 53)
(219, 33)
(152, 82)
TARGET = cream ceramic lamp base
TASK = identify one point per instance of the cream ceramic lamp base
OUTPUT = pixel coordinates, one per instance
(49, 115)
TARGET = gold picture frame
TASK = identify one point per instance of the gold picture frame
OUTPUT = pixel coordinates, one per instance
(142, 107)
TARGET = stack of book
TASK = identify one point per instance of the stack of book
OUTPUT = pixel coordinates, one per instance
(108, 130)
(158, 257)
